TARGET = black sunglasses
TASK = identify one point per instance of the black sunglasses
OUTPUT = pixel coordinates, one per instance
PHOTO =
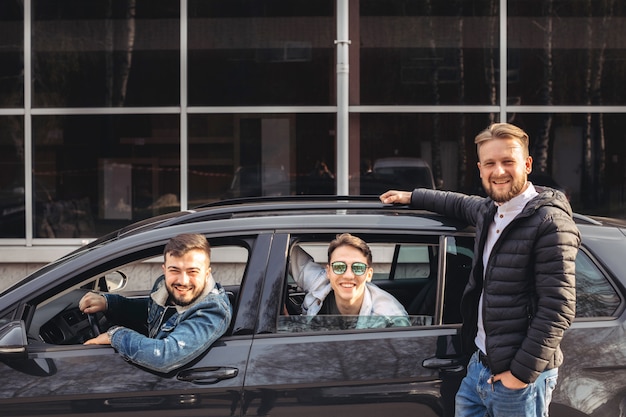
(340, 267)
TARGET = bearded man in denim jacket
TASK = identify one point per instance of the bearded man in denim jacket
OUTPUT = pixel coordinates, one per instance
(186, 312)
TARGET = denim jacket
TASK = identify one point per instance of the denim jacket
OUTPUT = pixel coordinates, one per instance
(379, 308)
(164, 346)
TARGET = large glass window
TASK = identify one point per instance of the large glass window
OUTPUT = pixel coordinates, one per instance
(94, 66)
(11, 53)
(245, 155)
(566, 52)
(102, 172)
(261, 53)
(444, 142)
(426, 52)
(105, 53)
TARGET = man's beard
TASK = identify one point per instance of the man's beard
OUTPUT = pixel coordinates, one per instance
(502, 197)
(183, 302)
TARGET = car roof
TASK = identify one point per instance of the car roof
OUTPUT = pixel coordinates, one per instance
(311, 206)
(280, 208)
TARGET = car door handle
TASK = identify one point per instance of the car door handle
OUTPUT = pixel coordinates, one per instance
(447, 364)
(209, 375)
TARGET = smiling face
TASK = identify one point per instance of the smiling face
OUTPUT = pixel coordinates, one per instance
(348, 287)
(504, 168)
(186, 276)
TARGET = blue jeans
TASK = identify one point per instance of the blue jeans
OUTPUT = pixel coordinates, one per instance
(477, 398)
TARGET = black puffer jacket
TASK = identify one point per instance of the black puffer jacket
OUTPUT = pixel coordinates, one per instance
(530, 296)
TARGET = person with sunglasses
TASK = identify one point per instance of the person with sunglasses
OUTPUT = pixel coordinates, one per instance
(344, 286)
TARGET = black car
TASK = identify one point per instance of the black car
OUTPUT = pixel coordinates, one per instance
(282, 364)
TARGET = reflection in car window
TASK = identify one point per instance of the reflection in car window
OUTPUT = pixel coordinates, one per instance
(595, 296)
(296, 324)
(459, 258)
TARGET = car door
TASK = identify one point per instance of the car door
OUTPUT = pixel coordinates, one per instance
(65, 379)
(367, 373)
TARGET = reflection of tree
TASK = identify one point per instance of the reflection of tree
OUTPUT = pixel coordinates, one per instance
(540, 149)
(490, 50)
(116, 93)
(592, 376)
(462, 153)
(594, 147)
(434, 83)
(354, 360)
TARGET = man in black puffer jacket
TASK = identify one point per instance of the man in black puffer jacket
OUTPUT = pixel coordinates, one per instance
(521, 296)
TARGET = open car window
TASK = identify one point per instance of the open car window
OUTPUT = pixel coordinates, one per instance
(57, 319)
(407, 269)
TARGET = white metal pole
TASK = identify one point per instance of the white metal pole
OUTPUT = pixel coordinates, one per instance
(342, 134)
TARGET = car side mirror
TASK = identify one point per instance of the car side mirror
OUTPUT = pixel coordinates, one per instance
(113, 281)
(13, 339)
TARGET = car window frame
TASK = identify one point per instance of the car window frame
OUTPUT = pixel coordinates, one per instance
(437, 240)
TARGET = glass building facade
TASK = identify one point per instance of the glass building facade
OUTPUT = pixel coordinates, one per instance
(112, 111)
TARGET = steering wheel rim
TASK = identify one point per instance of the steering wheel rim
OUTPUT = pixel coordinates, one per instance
(94, 324)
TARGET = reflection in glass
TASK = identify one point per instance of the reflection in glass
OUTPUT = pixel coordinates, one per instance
(261, 53)
(595, 296)
(11, 53)
(445, 142)
(323, 323)
(547, 40)
(249, 155)
(105, 53)
(427, 52)
(103, 172)
(12, 186)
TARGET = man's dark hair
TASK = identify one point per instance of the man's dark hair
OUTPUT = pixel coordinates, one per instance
(181, 244)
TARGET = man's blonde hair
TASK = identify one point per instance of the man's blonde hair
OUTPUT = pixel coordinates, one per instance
(503, 131)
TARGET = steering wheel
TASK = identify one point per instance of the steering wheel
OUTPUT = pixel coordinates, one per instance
(94, 324)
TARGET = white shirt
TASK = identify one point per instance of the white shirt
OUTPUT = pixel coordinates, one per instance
(507, 211)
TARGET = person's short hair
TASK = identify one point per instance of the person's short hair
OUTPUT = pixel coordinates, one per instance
(183, 243)
(346, 239)
(503, 131)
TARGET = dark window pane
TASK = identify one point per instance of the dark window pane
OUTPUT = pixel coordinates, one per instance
(445, 142)
(245, 155)
(106, 53)
(567, 54)
(104, 172)
(12, 186)
(426, 52)
(11, 53)
(260, 54)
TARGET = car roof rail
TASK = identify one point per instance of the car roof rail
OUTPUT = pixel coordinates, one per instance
(289, 198)
(582, 219)
(224, 209)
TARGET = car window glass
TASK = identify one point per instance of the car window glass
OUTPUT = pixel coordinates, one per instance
(459, 256)
(329, 322)
(595, 296)
(406, 271)
(57, 319)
